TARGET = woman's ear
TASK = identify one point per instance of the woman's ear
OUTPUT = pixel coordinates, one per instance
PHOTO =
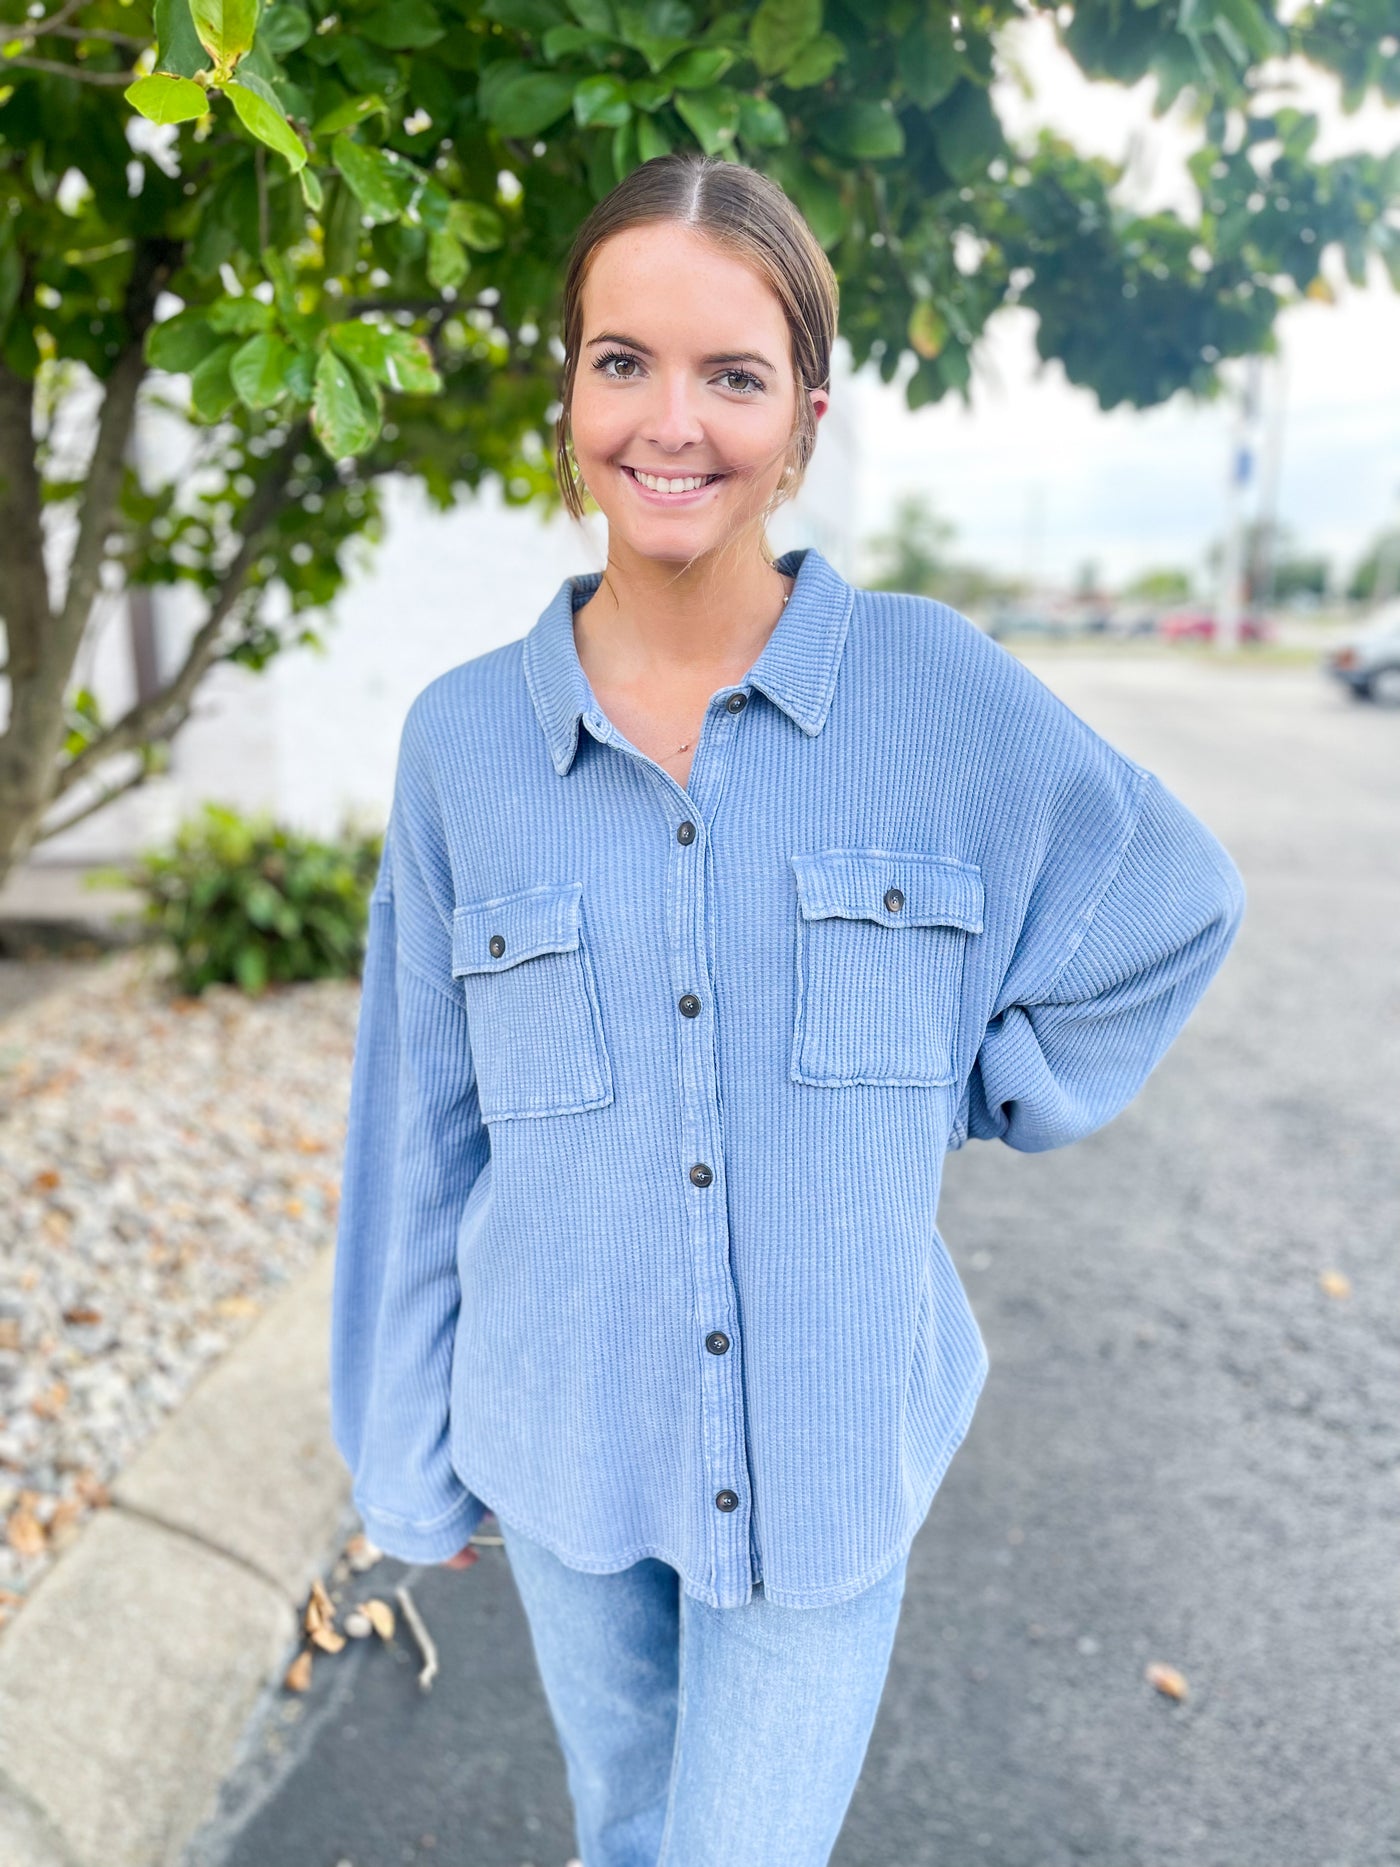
(821, 401)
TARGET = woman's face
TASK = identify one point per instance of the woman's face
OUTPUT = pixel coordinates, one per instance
(684, 374)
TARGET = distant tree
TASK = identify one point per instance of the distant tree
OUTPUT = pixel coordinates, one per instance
(1158, 586)
(357, 211)
(913, 555)
(1377, 576)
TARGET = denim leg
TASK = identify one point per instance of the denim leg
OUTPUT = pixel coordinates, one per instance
(776, 1707)
(606, 1647)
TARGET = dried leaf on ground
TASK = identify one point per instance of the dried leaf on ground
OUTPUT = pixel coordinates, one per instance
(1166, 1679)
(298, 1675)
(380, 1616)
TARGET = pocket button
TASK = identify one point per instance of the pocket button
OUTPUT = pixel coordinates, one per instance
(894, 900)
(497, 945)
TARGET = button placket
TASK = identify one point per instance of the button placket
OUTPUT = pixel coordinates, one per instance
(702, 1163)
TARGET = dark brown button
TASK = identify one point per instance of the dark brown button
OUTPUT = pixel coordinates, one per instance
(690, 1006)
(686, 832)
(497, 945)
(717, 1342)
(737, 702)
(894, 900)
(727, 1500)
(700, 1174)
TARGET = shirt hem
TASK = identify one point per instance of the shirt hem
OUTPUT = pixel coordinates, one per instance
(779, 1597)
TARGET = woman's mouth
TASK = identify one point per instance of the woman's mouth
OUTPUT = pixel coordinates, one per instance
(671, 489)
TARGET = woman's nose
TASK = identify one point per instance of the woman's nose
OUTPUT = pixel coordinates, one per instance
(672, 415)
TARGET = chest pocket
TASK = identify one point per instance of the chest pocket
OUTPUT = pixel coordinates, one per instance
(532, 1003)
(882, 939)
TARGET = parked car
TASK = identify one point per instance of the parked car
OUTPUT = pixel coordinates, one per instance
(1199, 625)
(1368, 662)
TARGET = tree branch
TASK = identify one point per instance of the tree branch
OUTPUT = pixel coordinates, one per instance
(56, 68)
(100, 802)
(160, 716)
(25, 597)
(152, 265)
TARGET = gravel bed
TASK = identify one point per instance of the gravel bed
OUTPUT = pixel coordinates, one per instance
(166, 1164)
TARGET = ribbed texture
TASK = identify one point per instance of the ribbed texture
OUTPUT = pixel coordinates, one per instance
(526, 1272)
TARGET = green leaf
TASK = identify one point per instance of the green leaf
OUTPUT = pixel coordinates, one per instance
(699, 68)
(258, 370)
(177, 344)
(476, 225)
(398, 359)
(712, 116)
(597, 15)
(163, 99)
(342, 419)
(529, 16)
(311, 191)
(659, 30)
(225, 27)
(929, 63)
(266, 122)
(560, 41)
(525, 102)
(448, 264)
(211, 388)
(239, 315)
(345, 116)
(966, 131)
(403, 25)
(177, 43)
(863, 130)
(815, 62)
(780, 29)
(651, 140)
(761, 123)
(601, 101)
(381, 187)
(283, 27)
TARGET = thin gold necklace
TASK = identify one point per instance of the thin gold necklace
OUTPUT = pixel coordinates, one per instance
(685, 743)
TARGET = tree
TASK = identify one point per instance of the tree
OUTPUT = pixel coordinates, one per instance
(357, 211)
(1161, 586)
(1377, 577)
(912, 555)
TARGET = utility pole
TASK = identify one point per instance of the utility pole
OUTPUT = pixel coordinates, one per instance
(1230, 605)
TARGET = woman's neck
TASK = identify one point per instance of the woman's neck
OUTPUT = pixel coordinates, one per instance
(645, 622)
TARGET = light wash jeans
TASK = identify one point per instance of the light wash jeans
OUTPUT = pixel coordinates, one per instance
(697, 1736)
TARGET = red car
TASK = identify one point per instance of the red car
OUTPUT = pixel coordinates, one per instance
(1199, 625)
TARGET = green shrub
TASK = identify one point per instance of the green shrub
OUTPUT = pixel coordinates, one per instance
(246, 901)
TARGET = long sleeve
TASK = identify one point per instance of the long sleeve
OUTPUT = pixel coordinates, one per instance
(1060, 1061)
(415, 1145)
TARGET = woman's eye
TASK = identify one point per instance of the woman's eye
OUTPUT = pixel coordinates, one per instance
(614, 356)
(749, 384)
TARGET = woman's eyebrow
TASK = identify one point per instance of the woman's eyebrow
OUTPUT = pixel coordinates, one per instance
(729, 356)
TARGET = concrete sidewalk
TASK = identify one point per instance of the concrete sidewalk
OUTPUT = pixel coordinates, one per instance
(127, 1678)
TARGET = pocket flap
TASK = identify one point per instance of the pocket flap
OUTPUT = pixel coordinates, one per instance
(489, 936)
(938, 891)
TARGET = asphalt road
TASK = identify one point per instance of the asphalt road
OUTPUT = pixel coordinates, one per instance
(1186, 1452)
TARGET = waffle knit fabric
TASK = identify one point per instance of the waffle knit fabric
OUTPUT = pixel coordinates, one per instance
(653, 1084)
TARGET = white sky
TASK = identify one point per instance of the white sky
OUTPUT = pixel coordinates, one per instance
(1037, 478)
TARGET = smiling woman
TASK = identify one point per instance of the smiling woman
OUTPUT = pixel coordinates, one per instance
(659, 1062)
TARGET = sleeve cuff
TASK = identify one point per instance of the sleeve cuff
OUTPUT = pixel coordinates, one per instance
(434, 1541)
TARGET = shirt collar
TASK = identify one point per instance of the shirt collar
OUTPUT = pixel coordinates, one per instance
(796, 669)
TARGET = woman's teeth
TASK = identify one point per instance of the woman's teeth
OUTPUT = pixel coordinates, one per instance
(658, 485)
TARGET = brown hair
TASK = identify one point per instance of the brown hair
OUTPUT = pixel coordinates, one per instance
(747, 215)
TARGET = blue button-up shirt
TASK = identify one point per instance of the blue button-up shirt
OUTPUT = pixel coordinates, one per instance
(653, 1084)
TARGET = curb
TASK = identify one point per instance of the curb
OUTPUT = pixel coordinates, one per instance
(127, 1678)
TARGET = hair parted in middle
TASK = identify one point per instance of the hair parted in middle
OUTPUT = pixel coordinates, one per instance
(747, 215)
